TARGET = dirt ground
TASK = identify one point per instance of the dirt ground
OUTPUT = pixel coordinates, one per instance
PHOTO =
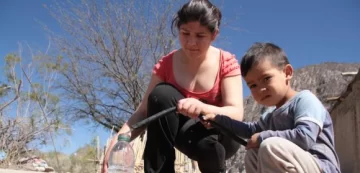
(16, 171)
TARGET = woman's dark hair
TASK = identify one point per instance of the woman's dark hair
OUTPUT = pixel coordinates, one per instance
(202, 11)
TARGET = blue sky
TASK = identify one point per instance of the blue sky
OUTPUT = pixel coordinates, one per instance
(311, 32)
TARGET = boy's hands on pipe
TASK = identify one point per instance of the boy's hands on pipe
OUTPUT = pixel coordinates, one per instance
(206, 118)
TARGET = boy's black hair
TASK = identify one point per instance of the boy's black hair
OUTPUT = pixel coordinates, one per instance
(203, 11)
(261, 51)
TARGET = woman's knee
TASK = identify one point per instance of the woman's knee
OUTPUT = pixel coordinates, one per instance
(164, 94)
(162, 97)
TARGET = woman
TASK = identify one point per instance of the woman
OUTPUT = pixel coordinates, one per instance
(197, 78)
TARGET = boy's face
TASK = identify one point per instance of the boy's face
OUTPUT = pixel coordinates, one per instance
(269, 84)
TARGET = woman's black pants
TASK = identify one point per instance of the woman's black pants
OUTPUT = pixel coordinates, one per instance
(209, 148)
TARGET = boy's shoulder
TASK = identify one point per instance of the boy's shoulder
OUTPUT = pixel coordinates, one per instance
(304, 106)
(302, 101)
(307, 107)
(306, 94)
(301, 96)
(305, 98)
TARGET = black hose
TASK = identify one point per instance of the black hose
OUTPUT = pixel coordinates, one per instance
(150, 119)
(158, 115)
(225, 131)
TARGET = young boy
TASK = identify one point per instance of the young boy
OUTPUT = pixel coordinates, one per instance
(296, 133)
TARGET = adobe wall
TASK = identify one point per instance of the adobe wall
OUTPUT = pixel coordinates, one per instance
(346, 119)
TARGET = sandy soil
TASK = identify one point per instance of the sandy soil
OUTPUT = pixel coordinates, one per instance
(16, 171)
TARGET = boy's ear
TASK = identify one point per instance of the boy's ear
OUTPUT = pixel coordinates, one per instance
(289, 71)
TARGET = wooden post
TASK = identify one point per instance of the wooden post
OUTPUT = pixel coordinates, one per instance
(97, 157)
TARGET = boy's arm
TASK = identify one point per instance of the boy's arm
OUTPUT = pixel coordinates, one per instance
(309, 116)
(304, 134)
(242, 129)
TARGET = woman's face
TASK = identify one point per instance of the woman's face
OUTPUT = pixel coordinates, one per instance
(195, 39)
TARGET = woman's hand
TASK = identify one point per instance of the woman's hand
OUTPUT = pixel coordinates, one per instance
(104, 168)
(191, 107)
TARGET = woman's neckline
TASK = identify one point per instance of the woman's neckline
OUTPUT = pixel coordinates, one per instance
(192, 92)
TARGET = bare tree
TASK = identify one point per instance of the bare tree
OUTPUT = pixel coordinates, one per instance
(109, 49)
(30, 114)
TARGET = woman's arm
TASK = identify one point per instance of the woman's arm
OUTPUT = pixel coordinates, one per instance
(139, 114)
(232, 97)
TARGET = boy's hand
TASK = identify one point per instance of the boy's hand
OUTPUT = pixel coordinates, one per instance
(207, 117)
(253, 141)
